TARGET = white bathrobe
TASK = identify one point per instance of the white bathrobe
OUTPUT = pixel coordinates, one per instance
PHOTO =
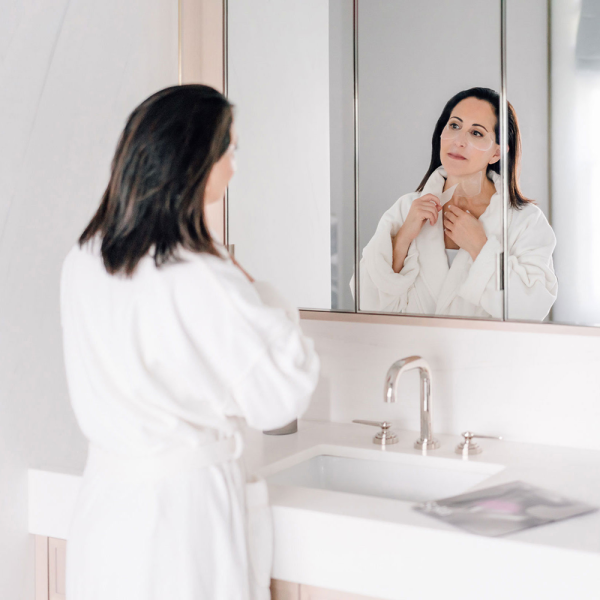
(161, 368)
(427, 285)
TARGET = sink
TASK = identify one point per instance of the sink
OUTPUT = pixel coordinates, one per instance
(411, 478)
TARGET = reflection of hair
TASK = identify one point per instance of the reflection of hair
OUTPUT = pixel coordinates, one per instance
(155, 196)
(517, 200)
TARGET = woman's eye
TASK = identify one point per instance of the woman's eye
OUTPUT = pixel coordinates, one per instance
(454, 126)
(477, 133)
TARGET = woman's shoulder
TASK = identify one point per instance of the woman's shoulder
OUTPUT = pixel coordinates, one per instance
(82, 259)
(530, 223)
(192, 268)
(402, 205)
(529, 214)
(409, 198)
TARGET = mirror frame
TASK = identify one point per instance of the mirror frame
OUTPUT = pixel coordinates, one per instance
(202, 58)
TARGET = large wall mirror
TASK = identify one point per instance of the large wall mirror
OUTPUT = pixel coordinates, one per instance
(373, 174)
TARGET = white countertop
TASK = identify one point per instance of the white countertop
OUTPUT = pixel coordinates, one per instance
(381, 547)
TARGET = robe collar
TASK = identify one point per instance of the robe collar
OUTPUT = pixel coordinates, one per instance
(442, 281)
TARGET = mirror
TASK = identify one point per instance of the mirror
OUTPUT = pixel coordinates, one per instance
(291, 202)
(335, 92)
(413, 58)
(561, 140)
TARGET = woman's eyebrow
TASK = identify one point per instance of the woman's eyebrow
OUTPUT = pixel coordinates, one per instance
(474, 124)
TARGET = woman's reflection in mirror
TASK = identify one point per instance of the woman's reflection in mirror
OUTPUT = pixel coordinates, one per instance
(437, 250)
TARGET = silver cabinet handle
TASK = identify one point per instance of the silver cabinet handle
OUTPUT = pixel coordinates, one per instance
(500, 272)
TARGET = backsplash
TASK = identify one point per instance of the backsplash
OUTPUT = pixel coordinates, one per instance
(530, 387)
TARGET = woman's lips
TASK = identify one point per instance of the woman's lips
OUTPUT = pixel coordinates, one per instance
(456, 156)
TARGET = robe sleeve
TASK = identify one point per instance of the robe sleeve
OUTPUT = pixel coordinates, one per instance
(263, 368)
(532, 283)
(381, 288)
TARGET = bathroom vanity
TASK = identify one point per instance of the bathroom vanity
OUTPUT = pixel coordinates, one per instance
(344, 521)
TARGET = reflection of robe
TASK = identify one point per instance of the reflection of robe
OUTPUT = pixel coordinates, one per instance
(427, 285)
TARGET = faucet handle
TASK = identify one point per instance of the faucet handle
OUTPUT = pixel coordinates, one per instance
(385, 437)
(468, 447)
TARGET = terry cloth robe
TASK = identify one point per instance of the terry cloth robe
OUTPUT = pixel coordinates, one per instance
(161, 367)
(427, 285)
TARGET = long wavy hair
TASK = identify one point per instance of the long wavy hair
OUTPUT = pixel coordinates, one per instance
(517, 199)
(154, 201)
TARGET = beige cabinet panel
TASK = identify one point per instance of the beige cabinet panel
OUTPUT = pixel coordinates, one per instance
(57, 554)
(50, 567)
(284, 590)
(308, 592)
(41, 567)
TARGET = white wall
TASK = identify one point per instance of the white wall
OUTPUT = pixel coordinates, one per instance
(527, 88)
(528, 387)
(575, 171)
(279, 207)
(70, 73)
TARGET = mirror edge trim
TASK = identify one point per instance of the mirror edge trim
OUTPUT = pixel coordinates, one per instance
(450, 323)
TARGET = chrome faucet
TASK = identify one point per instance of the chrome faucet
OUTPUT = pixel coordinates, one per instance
(426, 441)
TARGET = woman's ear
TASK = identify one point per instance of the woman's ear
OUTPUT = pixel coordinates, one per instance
(496, 156)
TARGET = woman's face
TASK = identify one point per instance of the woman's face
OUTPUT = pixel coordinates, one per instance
(221, 173)
(468, 141)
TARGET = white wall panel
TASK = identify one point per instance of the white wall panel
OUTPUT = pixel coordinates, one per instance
(279, 200)
(70, 74)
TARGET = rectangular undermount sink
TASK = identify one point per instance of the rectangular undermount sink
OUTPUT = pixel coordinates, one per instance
(398, 476)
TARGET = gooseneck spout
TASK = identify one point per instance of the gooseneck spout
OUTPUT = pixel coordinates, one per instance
(426, 441)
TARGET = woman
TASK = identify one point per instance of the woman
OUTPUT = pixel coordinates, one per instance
(168, 346)
(437, 251)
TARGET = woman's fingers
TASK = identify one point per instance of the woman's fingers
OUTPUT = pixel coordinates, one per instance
(450, 220)
(453, 209)
(431, 198)
(430, 213)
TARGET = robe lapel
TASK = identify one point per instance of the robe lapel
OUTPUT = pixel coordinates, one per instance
(433, 261)
(492, 224)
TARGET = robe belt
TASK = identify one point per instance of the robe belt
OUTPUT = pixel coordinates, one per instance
(165, 463)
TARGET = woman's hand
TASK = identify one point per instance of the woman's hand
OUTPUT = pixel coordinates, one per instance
(464, 230)
(425, 208)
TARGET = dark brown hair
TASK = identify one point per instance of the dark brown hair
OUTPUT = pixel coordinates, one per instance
(155, 196)
(517, 199)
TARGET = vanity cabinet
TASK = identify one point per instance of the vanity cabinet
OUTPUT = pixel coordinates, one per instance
(50, 559)
(286, 590)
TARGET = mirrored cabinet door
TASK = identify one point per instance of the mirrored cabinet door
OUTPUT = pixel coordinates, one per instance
(430, 207)
(290, 72)
(554, 80)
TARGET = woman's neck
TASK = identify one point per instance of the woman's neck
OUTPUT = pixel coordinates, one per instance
(480, 196)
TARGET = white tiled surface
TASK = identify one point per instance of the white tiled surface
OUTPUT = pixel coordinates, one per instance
(529, 387)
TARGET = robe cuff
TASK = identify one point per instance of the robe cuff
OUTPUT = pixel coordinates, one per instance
(482, 270)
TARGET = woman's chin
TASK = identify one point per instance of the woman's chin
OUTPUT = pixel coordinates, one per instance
(458, 170)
